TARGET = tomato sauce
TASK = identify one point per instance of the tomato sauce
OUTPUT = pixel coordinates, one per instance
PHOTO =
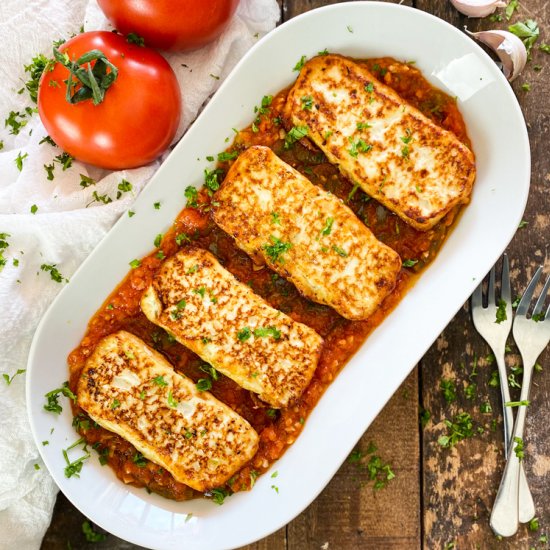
(277, 429)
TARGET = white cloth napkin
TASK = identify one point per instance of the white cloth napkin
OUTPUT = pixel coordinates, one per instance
(67, 223)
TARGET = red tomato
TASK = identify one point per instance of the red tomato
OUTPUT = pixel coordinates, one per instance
(138, 117)
(171, 24)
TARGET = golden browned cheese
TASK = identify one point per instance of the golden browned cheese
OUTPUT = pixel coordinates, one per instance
(306, 234)
(221, 319)
(396, 154)
(131, 390)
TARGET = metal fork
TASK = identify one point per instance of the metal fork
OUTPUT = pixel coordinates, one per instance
(495, 331)
(532, 336)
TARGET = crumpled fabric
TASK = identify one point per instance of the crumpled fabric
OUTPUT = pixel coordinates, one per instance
(68, 221)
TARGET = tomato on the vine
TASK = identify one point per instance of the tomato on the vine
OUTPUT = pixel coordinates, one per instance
(108, 102)
(171, 24)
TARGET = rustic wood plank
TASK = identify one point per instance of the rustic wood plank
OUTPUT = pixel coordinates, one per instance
(460, 484)
(349, 513)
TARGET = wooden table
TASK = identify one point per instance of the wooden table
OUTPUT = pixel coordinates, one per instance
(439, 498)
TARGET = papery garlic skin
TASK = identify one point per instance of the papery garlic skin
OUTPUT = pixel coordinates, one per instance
(477, 8)
(508, 47)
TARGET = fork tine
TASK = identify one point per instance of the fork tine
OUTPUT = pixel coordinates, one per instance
(477, 296)
(542, 298)
(528, 294)
(505, 290)
(491, 289)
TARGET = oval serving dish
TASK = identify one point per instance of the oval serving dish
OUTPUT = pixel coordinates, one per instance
(499, 139)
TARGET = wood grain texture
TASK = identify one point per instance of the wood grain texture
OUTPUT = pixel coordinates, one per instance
(440, 498)
(460, 484)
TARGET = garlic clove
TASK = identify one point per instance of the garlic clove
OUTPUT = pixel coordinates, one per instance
(477, 8)
(508, 47)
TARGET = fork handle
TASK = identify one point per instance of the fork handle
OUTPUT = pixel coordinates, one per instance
(526, 503)
(506, 511)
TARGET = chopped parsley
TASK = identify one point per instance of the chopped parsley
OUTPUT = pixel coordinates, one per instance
(171, 401)
(15, 124)
(211, 180)
(363, 125)
(203, 384)
(501, 312)
(9, 379)
(115, 404)
(139, 460)
(19, 160)
(3, 245)
(209, 369)
(409, 263)
(276, 250)
(34, 209)
(486, 408)
(182, 237)
(90, 534)
(300, 64)
(359, 146)
(65, 160)
(340, 251)
(296, 133)
(191, 194)
(49, 171)
(518, 449)
(160, 381)
(458, 429)
(74, 468)
(218, 495)
(528, 31)
(105, 199)
(123, 187)
(449, 390)
(369, 87)
(244, 334)
(156, 205)
(85, 181)
(328, 226)
(275, 218)
(267, 331)
(54, 273)
(378, 471)
(307, 103)
(225, 156)
(135, 264)
(353, 191)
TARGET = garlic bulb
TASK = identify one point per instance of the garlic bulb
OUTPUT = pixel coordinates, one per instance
(477, 8)
(509, 48)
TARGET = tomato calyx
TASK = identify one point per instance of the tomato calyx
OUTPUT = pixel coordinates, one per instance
(91, 83)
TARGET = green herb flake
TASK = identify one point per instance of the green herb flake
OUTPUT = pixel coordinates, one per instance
(545, 48)
(262, 332)
(131, 213)
(328, 226)
(340, 251)
(276, 249)
(275, 218)
(182, 238)
(526, 87)
(350, 29)
(409, 263)
(55, 275)
(75, 467)
(49, 171)
(191, 194)
(65, 160)
(521, 225)
(218, 495)
(135, 264)
(425, 416)
(486, 408)
(307, 103)
(171, 401)
(501, 312)
(90, 534)
(528, 31)
(534, 524)
(203, 384)
(19, 160)
(52, 397)
(518, 449)
(449, 390)
(363, 125)
(523, 403)
(296, 133)
(160, 381)
(323, 52)
(210, 370)
(244, 334)
(158, 240)
(9, 379)
(156, 205)
(13, 123)
(115, 404)
(227, 156)
(123, 187)
(300, 64)
(511, 8)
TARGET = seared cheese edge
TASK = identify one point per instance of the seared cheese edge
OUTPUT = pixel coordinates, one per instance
(131, 390)
(209, 311)
(325, 250)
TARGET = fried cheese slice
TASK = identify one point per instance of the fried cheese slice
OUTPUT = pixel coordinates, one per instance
(221, 319)
(132, 390)
(396, 154)
(305, 234)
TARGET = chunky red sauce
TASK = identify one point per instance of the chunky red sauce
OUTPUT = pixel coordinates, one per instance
(277, 429)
